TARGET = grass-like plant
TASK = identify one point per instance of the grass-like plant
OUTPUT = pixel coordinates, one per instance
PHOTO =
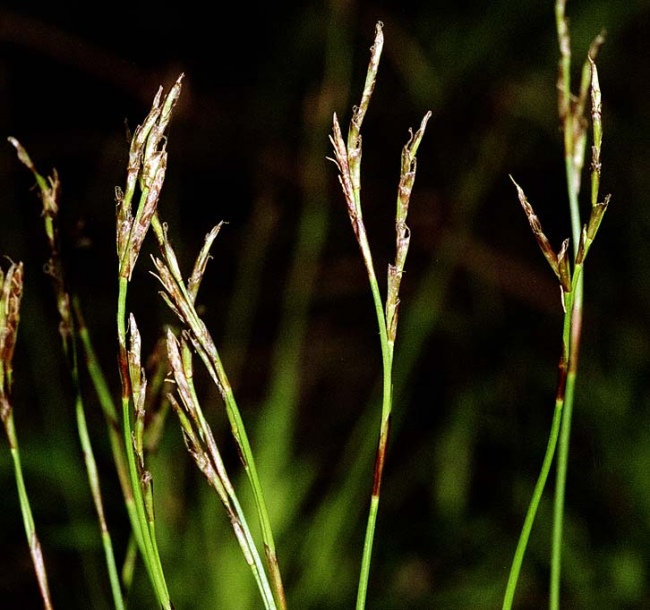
(147, 166)
(348, 160)
(49, 189)
(11, 291)
(133, 431)
(136, 213)
(569, 271)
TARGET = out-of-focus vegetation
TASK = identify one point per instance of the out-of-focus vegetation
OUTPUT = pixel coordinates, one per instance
(287, 300)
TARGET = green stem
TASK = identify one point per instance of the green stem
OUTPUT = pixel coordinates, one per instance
(387, 364)
(571, 115)
(532, 508)
(93, 478)
(142, 528)
(248, 461)
(108, 407)
(572, 339)
(220, 480)
(28, 519)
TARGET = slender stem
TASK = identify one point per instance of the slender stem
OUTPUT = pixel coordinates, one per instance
(143, 528)
(515, 569)
(558, 504)
(572, 335)
(556, 427)
(93, 477)
(387, 363)
(108, 407)
(28, 519)
(349, 161)
(571, 115)
(127, 434)
(207, 456)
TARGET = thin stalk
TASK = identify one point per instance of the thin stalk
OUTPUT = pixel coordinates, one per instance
(118, 448)
(106, 402)
(524, 536)
(574, 124)
(140, 523)
(241, 438)
(572, 174)
(205, 452)
(348, 159)
(387, 348)
(556, 425)
(387, 321)
(25, 509)
(93, 478)
(571, 336)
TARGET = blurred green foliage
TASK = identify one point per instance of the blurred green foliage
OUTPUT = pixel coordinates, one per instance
(286, 295)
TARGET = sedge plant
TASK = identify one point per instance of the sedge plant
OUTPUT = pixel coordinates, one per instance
(137, 212)
(568, 266)
(146, 171)
(49, 190)
(347, 156)
(145, 177)
(11, 291)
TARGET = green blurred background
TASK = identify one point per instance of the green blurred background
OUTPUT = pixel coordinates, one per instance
(286, 296)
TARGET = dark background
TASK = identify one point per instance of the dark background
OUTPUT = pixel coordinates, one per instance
(480, 331)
